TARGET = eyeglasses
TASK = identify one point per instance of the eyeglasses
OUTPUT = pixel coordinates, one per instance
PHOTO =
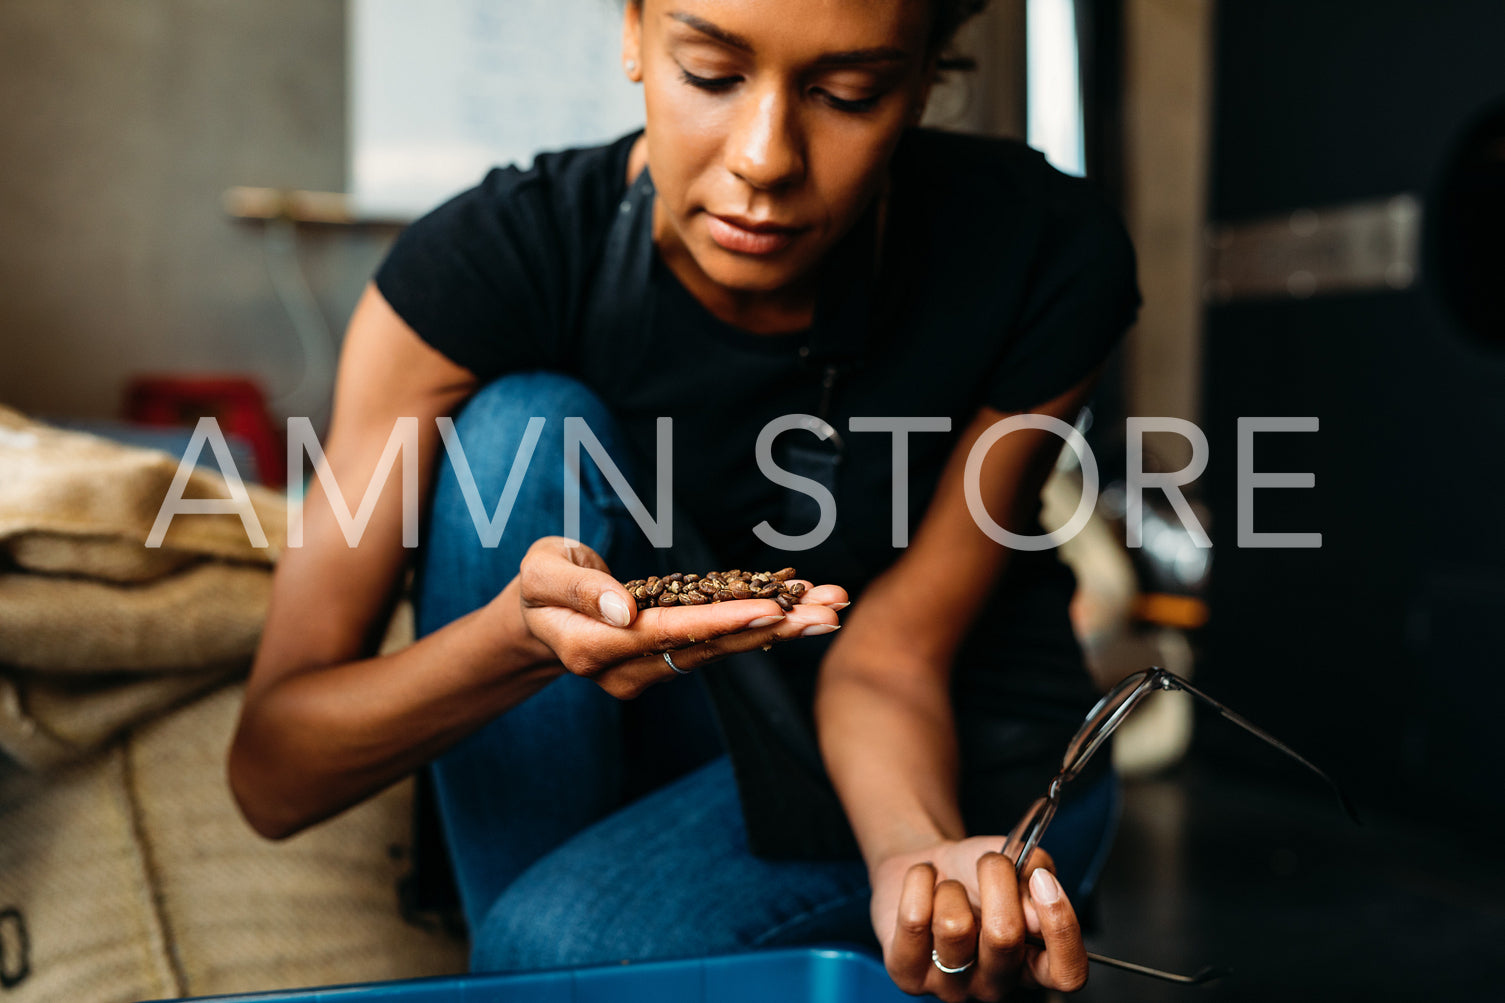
(1105, 716)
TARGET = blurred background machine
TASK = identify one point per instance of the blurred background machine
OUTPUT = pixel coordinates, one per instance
(1356, 254)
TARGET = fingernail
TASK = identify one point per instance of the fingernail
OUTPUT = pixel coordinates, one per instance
(1044, 887)
(818, 628)
(614, 610)
(764, 621)
(838, 607)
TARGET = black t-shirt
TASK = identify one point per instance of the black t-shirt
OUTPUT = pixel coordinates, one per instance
(1002, 283)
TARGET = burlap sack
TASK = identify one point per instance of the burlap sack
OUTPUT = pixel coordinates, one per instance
(47, 721)
(86, 594)
(77, 490)
(97, 630)
(205, 615)
(103, 558)
(126, 871)
(134, 877)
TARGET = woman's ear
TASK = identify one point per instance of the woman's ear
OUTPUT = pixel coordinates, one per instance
(632, 40)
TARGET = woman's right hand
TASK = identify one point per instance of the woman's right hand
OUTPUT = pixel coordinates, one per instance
(573, 606)
(958, 902)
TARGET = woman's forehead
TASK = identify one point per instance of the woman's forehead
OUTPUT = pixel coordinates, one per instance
(810, 25)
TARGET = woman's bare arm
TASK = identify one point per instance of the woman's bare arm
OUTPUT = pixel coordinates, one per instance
(883, 705)
(889, 673)
(323, 724)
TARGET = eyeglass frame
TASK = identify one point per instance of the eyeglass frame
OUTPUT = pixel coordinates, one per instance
(1101, 721)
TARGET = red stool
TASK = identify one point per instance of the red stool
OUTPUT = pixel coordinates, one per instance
(235, 401)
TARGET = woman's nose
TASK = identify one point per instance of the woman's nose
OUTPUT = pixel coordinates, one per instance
(765, 148)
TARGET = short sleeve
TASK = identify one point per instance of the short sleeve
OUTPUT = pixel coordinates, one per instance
(480, 278)
(1082, 296)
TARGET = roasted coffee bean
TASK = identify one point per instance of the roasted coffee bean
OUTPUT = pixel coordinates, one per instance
(681, 589)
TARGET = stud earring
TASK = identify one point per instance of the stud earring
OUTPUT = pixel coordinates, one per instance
(632, 66)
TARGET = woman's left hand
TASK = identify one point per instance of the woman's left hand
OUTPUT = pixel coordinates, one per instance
(961, 900)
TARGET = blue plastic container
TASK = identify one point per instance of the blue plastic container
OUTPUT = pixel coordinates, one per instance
(811, 975)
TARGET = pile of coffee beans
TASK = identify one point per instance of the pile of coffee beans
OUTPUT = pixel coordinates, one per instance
(716, 586)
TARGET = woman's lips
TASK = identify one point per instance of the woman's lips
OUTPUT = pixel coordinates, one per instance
(748, 237)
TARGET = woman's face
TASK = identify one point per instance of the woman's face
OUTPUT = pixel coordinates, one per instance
(770, 124)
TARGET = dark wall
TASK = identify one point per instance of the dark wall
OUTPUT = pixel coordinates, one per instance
(1383, 652)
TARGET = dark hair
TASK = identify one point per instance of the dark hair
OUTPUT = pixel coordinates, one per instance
(946, 19)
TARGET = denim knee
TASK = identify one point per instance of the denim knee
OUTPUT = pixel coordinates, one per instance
(495, 423)
(507, 449)
(500, 411)
(668, 876)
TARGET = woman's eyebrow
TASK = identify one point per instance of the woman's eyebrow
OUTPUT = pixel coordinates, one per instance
(705, 27)
(882, 54)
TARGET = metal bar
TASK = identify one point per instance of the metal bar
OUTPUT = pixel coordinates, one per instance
(1362, 246)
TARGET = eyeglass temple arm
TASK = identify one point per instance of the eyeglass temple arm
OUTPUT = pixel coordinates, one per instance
(1259, 732)
(1202, 975)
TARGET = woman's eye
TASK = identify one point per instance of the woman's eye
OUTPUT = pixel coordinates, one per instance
(854, 106)
(713, 84)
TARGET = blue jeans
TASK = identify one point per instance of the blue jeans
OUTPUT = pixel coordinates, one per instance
(584, 830)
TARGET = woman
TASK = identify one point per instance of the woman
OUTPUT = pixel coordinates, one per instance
(779, 241)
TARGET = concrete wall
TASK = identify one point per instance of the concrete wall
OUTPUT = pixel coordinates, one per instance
(123, 123)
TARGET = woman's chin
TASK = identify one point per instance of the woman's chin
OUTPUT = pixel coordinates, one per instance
(753, 274)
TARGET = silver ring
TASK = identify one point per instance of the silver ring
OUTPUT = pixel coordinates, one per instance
(676, 668)
(935, 959)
